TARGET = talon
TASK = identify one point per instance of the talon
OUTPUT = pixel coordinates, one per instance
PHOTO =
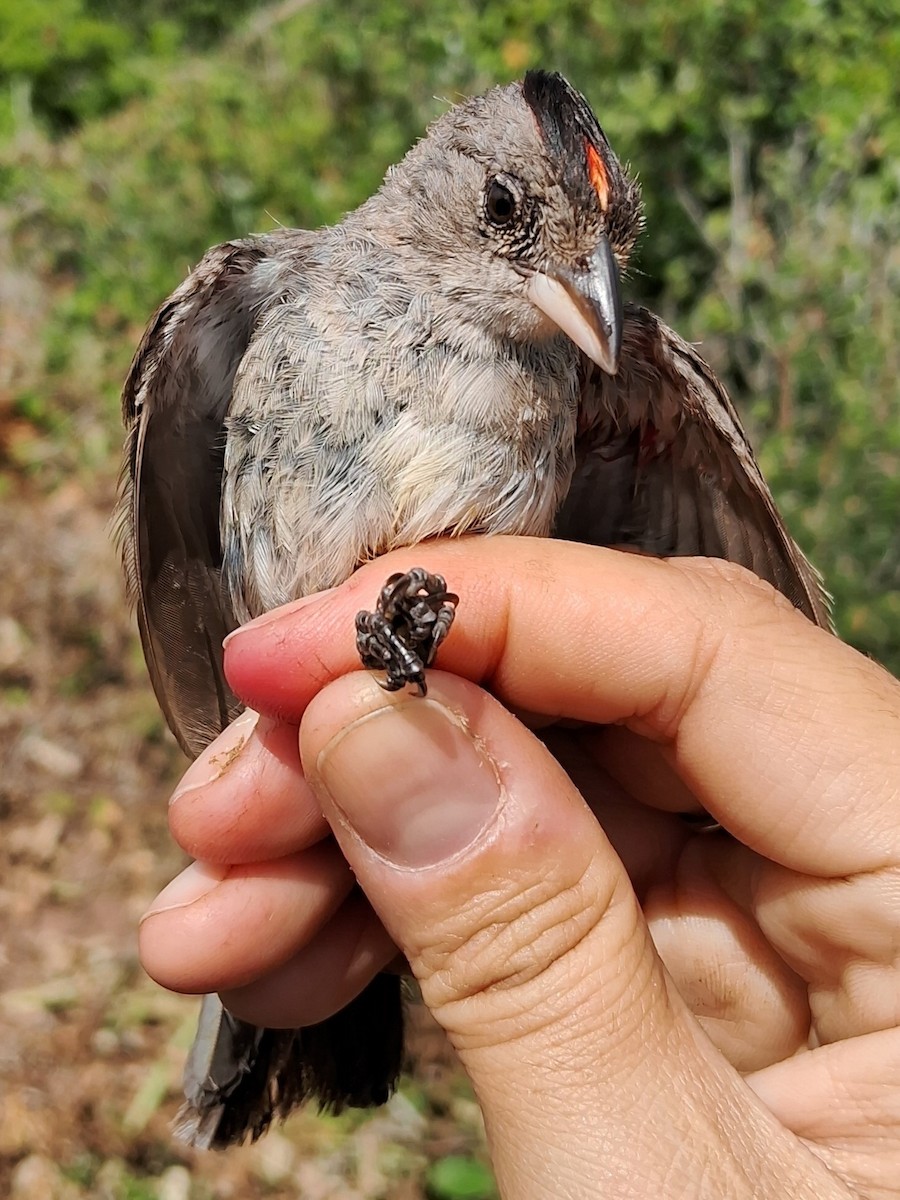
(412, 617)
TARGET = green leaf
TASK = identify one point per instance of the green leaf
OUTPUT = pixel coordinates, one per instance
(459, 1178)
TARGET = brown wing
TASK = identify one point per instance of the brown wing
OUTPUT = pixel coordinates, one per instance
(665, 466)
(175, 402)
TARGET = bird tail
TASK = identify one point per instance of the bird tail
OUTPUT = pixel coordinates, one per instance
(239, 1078)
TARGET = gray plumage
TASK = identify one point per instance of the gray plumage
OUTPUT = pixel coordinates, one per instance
(451, 358)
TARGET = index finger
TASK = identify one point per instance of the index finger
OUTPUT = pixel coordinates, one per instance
(787, 736)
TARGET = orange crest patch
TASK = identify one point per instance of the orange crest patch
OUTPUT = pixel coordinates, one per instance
(597, 174)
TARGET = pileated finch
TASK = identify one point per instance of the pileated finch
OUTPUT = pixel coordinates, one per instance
(453, 357)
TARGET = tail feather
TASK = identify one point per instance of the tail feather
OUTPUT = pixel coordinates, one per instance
(239, 1078)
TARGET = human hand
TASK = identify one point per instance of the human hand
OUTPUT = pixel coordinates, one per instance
(531, 926)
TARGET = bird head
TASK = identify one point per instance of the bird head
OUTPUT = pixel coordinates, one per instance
(523, 213)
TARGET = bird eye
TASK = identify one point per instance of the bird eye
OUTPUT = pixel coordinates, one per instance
(500, 203)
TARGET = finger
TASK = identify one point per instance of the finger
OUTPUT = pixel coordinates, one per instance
(245, 800)
(844, 1100)
(643, 768)
(497, 882)
(648, 841)
(342, 957)
(753, 1008)
(838, 935)
(694, 654)
(218, 928)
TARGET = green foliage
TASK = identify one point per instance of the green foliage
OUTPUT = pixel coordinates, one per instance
(110, 1178)
(459, 1178)
(767, 139)
(66, 61)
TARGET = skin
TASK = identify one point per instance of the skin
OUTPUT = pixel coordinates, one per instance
(643, 1010)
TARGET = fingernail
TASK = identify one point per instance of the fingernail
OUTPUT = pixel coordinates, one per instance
(278, 614)
(411, 781)
(218, 755)
(193, 882)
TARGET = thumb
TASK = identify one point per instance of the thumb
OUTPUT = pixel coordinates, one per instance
(520, 924)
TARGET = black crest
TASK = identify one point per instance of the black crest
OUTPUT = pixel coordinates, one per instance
(566, 121)
(568, 126)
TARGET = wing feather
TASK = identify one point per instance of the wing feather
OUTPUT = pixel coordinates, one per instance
(175, 401)
(664, 466)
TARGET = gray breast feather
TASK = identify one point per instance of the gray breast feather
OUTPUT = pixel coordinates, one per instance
(357, 428)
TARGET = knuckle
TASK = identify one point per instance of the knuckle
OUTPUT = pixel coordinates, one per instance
(525, 944)
(735, 588)
(729, 603)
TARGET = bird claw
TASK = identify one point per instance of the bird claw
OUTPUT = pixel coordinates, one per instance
(412, 617)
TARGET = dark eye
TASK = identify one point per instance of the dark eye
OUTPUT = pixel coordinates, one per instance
(500, 203)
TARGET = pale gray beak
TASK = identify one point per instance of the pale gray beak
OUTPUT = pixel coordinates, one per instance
(586, 304)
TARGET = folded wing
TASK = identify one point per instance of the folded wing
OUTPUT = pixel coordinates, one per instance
(664, 467)
(175, 402)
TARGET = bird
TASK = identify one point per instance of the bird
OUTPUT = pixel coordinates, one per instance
(453, 357)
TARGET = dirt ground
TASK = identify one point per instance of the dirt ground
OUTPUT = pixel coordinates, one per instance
(90, 1049)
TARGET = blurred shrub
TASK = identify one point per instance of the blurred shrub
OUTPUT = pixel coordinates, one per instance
(767, 138)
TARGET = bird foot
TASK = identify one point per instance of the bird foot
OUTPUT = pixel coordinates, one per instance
(412, 617)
